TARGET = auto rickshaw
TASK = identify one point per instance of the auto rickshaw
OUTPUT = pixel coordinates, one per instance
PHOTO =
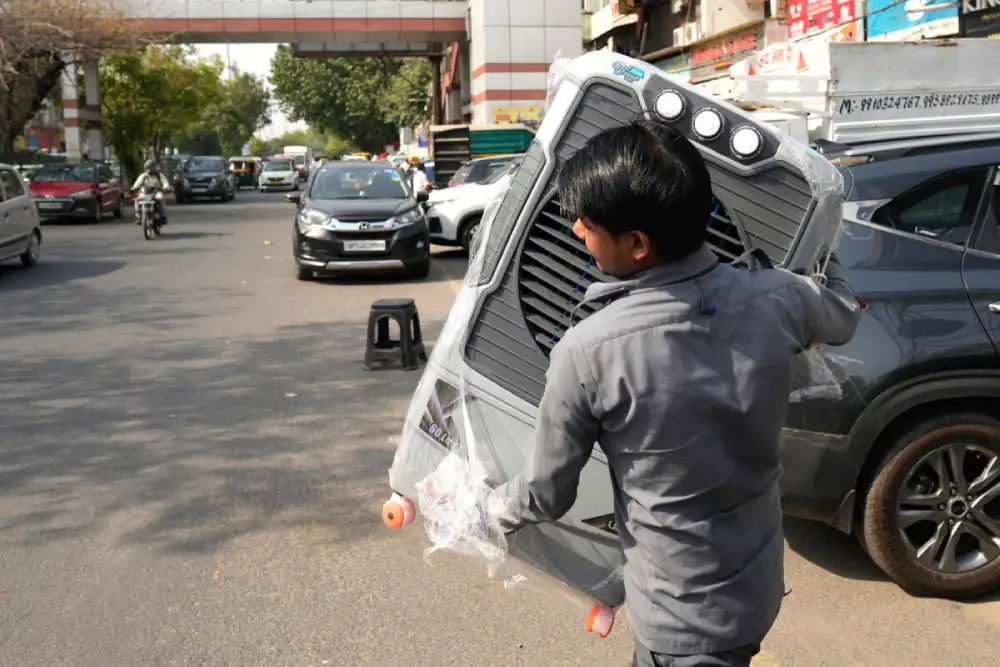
(246, 171)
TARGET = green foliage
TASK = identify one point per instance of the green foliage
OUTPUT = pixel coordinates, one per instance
(241, 109)
(153, 96)
(364, 100)
(332, 145)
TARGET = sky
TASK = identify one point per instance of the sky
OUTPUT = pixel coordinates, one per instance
(254, 59)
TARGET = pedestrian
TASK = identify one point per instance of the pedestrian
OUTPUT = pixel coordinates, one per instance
(417, 177)
(682, 378)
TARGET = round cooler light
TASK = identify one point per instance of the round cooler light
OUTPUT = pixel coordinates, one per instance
(746, 142)
(707, 124)
(670, 105)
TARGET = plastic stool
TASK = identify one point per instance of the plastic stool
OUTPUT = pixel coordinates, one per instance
(410, 346)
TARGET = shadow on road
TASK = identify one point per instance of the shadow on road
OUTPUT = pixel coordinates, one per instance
(169, 235)
(46, 274)
(831, 550)
(445, 265)
(188, 445)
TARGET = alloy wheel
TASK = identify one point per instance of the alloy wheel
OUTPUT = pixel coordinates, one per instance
(948, 509)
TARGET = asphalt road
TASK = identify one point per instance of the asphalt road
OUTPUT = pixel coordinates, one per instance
(192, 465)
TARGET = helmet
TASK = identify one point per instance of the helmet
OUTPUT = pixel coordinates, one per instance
(151, 166)
(413, 160)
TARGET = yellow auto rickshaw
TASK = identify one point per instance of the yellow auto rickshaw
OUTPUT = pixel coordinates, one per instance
(246, 170)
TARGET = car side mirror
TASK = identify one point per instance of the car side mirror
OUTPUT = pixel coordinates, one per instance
(423, 196)
(293, 198)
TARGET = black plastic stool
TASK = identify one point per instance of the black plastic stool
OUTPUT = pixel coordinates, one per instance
(410, 345)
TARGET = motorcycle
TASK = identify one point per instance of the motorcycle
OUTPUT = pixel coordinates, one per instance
(146, 210)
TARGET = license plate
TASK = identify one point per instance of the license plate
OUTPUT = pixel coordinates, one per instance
(49, 205)
(275, 182)
(364, 246)
(199, 189)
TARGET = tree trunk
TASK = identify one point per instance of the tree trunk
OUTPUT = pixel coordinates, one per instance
(37, 87)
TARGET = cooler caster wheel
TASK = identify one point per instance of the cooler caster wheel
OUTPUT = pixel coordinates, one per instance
(601, 620)
(398, 512)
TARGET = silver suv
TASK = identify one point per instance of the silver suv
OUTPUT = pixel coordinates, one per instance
(20, 230)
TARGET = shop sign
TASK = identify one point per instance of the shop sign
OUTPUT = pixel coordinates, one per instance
(715, 57)
(832, 20)
(915, 19)
(518, 114)
(979, 18)
(777, 59)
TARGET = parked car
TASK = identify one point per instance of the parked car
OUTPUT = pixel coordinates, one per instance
(279, 173)
(85, 190)
(455, 213)
(359, 216)
(20, 228)
(908, 458)
(204, 176)
(479, 170)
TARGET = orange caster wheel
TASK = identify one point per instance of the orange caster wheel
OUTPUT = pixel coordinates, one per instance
(398, 512)
(601, 620)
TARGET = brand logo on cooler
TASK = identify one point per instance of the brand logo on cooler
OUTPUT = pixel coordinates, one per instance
(630, 73)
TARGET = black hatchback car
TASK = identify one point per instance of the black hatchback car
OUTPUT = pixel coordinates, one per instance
(204, 176)
(908, 457)
(359, 216)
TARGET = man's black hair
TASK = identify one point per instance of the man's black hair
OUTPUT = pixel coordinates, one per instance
(645, 176)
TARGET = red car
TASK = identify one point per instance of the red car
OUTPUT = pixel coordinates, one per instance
(87, 190)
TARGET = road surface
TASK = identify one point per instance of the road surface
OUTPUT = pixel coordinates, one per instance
(192, 465)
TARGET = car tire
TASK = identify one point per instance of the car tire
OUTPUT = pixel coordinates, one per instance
(303, 273)
(179, 199)
(98, 214)
(421, 270)
(119, 212)
(32, 253)
(922, 463)
(467, 233)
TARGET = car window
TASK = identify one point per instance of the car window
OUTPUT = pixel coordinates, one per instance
(360, 182)
(278, 165)
(943, 209)
(462, 174)
(206, 164)
(67, 173)
(11, 184)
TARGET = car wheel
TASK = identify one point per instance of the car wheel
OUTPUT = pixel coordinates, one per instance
(179, 199)
(33, 252)
(421, 270)
(120, 209)
(932, 515)
(98, 214)
(302, 273)
(468, 234)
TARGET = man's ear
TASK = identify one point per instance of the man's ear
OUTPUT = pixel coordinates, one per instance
(642, 246)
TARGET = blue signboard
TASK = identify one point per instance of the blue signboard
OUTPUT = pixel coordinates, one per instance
(914, 19)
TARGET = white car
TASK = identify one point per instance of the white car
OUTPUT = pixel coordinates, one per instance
(279, 174)
(454, 213)
(20, 228)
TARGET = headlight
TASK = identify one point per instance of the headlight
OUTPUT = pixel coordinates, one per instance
(310, 217)
(82, 194)
(187, 184)
(216, 181)
(408, 218)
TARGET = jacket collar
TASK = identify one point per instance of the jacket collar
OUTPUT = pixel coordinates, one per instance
(699, 262)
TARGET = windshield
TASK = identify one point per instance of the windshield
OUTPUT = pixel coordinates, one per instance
(500, 172)
(300, 160)
(358, 182)
(68, 172)
(206, 164)
(278, 165)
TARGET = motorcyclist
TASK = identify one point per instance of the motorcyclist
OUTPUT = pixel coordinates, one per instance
(152, 178)
(418, 179)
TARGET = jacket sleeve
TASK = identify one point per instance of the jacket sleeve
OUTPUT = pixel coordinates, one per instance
(831, 311)
(138, 182)
(565, 432)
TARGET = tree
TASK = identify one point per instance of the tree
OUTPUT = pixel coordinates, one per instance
(38, 38)
(362, 100)
(332, 145)
(243, 107)
(155, 96)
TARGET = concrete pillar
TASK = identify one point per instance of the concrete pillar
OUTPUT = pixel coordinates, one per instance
(436, 99)
(92, 91)
(72, 135)
(513, 45)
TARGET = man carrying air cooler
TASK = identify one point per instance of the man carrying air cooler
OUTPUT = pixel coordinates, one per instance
(682, 379)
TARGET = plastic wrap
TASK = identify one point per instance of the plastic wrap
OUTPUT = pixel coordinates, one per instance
(463, 436)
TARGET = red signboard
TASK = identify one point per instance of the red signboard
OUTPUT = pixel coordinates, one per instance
(806, 17)
(735, 45)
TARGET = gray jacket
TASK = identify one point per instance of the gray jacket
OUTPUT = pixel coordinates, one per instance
(683, 379)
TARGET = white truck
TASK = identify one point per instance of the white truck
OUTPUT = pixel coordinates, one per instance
(302, 155)
(867, 92)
